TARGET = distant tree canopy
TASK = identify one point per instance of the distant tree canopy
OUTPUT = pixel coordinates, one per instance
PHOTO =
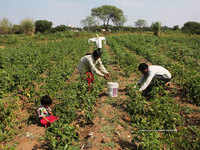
(156, 27)
(5, 26)
(191, 27)
(17, 29)
(108, 13)
(141, 23)
(27, 26)
(176, 27)
(89, 21)
(43, 26)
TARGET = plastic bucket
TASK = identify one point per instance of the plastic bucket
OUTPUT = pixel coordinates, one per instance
(113, 89)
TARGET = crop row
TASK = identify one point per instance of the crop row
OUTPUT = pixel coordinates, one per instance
(152, 48)
(157, 122)
(32, 69)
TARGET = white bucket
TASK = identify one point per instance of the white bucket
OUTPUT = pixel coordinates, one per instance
(113, 89)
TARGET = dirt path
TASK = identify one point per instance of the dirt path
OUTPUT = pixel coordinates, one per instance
(112, 128)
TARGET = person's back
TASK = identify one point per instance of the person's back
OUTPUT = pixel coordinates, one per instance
(84, 66)
(152, 72)
(159, 71)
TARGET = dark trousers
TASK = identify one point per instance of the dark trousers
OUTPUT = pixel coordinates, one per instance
(156, 82)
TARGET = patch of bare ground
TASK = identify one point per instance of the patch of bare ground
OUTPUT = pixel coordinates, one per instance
(31, 138)
(1, 46)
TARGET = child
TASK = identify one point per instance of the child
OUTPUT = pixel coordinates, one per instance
(44, 111)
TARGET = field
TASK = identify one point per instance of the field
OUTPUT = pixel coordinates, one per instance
(31, 66)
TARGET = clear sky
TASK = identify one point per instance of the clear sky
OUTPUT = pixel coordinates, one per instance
(168, 12)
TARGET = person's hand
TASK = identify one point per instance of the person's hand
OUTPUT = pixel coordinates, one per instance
(46, 119)
(167, 84)
(106, 76)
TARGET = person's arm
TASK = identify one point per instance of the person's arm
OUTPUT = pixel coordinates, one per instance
(147, 82)
(94, 69)
(49, 111)
(101, 67)
(92, 40)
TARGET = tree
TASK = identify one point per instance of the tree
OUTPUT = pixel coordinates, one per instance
(5, 26)
(43, 26)
(141, 23)
(60, 28)
(107, 13)
(17, 29)
(121, 21)
(191, 27)
(176, 27)
(156, 27)
(27, 26)
(89, 21)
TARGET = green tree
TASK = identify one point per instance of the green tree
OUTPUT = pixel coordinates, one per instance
(43, 26)
(89, 21)
(17, 29)
(5, 26)
(156, 27)
(120, 21)
(27, 26)
(107, 14)
(191, 27)
(141, 23)
(176, 27)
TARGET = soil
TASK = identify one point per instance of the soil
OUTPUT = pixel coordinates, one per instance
(2, 46)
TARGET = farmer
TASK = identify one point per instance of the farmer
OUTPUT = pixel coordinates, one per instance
(87, 67)
(98, 39)
(152, 74)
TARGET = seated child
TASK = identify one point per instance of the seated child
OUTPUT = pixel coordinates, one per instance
(44, 111)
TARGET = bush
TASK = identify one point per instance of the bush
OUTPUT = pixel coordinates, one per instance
(17, 29)
(191, 27)
(43, 26)
(60, 28)
(5, 26)
(27, 26)
(156, 27)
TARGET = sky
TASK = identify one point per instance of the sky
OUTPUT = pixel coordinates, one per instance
(71, 12)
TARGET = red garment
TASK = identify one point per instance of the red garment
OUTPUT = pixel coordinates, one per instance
(50, 118)
(90, 78)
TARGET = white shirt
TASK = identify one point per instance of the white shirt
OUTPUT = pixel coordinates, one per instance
(153, 71)
(87, 63)
(98, 41)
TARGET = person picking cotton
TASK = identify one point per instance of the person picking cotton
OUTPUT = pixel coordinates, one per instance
(151, 73)
(87, 67)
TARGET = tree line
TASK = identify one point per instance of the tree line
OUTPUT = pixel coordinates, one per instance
(105, 17)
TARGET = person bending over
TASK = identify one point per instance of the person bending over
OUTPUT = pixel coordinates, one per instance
(88, 66)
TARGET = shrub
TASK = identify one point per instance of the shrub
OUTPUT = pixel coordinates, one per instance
(5, 26)
(156, 27)
(43, 26)
(191, 27)
(27, 26)
(60, 28)
(17, 29)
